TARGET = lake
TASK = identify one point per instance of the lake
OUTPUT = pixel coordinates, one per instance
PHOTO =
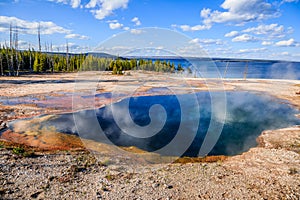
(230, 68)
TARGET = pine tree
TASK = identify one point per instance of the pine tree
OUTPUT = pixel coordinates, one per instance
(115, 69)
(36, 64)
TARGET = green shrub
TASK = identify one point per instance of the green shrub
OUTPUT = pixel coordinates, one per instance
(18, 150)
(21, 151)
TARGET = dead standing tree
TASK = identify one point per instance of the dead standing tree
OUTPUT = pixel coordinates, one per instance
(30, 59)
(1, 64)
(51, 59)
(39, 37)
(11, 65)
(18, 59)
(7, 54)
(67, 56)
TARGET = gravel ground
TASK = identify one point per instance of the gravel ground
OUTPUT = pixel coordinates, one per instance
(258, 174)
(269, 171)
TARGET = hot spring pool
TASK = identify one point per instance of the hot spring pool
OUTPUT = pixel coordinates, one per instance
(247, 115)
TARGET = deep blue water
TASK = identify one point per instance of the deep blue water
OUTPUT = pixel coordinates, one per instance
(248, 114)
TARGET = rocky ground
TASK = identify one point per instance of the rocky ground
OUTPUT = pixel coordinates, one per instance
(265, 172)
(269, 171)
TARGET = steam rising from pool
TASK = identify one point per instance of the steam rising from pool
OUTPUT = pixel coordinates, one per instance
(248, 114)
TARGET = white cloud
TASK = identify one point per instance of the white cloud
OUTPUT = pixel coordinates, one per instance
(273, 30)
(116, 25)
(126, 28)
(266, 43)
(194, 41)
(59, 1)
(136, 21)
(289, 1)
(104, 8)
(73, 48)
(21, 44)
(206, 41)
(205, 12)
(28, 27)
(73, 3)
(287, 43)
(290, 30)
(193, 28)
(255, 50)
(240, 12)
(91, 4)
(24, 44)
(285, 53)
(136, 31)
(185, 27)
(244, 38)
(112, 21)
(76, 36)
(232, 34)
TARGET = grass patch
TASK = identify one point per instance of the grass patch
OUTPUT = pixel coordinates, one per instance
(22, 152)
(18, 150)
(109, 177)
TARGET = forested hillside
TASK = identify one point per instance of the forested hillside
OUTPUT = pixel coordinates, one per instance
(13, 62)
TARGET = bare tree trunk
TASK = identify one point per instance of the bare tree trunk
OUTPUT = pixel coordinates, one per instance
(51, 61)
(16, 47)
(11, 65)
(7, 57)
(46, 51)
(1, 64)
(18, 63)
(10, 37)
(67, 56)
(30, 59)
(39, 37)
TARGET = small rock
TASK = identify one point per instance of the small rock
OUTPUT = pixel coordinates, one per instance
(105, 189)
(36, 194)
(169, 187)
(98, 195)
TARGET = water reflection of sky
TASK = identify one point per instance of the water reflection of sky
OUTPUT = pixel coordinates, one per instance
(248, 114)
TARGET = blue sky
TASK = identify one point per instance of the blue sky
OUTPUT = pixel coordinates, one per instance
(224, 28)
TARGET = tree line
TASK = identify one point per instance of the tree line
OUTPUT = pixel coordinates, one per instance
(13, 62)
